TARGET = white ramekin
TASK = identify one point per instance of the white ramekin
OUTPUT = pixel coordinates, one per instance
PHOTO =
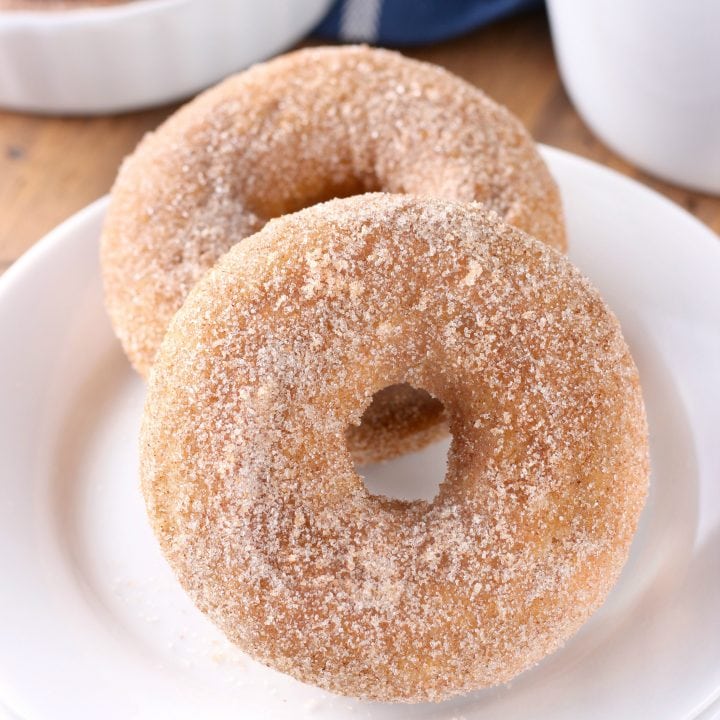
(122, 57)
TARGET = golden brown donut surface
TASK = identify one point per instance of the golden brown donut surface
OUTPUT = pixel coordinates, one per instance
(306, 127)
(253, 495)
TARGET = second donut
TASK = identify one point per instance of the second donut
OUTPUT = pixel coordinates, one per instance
(306, 127)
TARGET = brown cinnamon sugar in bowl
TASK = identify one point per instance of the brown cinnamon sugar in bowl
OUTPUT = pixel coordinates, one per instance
(51, 5)
(305, 127)
(253, 496)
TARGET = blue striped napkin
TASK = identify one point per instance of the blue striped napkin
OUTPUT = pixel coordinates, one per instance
(412, 22)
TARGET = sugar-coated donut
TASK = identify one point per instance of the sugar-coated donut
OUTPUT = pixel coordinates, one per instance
(253, 495)
(306, 127)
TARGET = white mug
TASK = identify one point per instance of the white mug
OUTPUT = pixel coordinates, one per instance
(645, 76)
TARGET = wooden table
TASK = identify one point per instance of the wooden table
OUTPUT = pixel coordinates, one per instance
(51, 167)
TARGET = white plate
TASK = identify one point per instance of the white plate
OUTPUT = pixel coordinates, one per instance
(93, 624)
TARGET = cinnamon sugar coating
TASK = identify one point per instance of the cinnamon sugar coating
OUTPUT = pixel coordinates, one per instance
(305, 127)
(252, 492)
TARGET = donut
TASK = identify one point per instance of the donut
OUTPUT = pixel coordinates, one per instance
(252, 493)
(302, 128)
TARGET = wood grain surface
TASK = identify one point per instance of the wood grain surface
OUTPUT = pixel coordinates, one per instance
(52, 167)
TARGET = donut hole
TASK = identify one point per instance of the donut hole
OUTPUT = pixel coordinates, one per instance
(405, 416)
(301, 194)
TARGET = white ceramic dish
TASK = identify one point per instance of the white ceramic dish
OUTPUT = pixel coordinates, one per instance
(93, 624)
(147, 52)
